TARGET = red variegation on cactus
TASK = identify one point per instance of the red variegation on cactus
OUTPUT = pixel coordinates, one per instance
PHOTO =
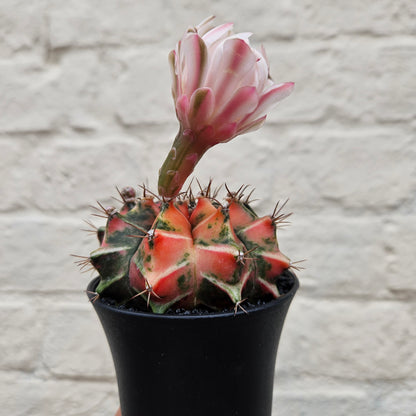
(188, 252)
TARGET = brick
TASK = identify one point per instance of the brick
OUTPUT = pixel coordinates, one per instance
(400, 244)
(323, 19)
(344, 256)
(349, 340)
(323, 399)
(11, 170)
(274, 20)
(97, 23)
(89, 82)
(22, 27)
(74, 343)
(145, 93)
(23, 395)
(316, 89)
(353, 81)
(85, 86)
(396, 103)
(76, 88)
(61, 169)
(329, 169)
(351, 169)
(28, 97)
(400, 400)
(37, 255)
(330, 18)
(313, 396)
(14, 317)
(104, 22)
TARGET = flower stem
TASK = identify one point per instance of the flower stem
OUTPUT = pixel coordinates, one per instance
(180, 163)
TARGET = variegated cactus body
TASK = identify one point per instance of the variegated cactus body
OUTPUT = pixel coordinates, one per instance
(184, 253)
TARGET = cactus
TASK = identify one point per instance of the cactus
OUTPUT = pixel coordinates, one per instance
(177, 251)
(186, 252)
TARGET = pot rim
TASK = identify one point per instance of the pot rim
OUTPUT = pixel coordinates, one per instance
(151, 315)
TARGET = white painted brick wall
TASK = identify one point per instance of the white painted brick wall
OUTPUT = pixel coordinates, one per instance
(85, 105)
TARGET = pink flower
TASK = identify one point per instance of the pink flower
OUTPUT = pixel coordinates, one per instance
(221, 85)
(221, 88)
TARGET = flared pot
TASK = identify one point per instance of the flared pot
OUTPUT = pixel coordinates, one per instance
(218, 364)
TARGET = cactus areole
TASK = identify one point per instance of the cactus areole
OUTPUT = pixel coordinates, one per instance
(193, 288)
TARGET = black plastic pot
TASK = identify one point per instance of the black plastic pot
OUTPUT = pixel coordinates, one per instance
(220, 364)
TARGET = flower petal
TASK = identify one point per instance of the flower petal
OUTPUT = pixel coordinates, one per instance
(231, 62)
(172, 65)
(243, 102)
(205, 26)
(245, 36)
(254, 125)
(262, 72)
(217, 33)
(269, 99)
(258, 76)
(201, 108)
(182, 109)
(192, 62)
(206, 134)
(225, 134)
